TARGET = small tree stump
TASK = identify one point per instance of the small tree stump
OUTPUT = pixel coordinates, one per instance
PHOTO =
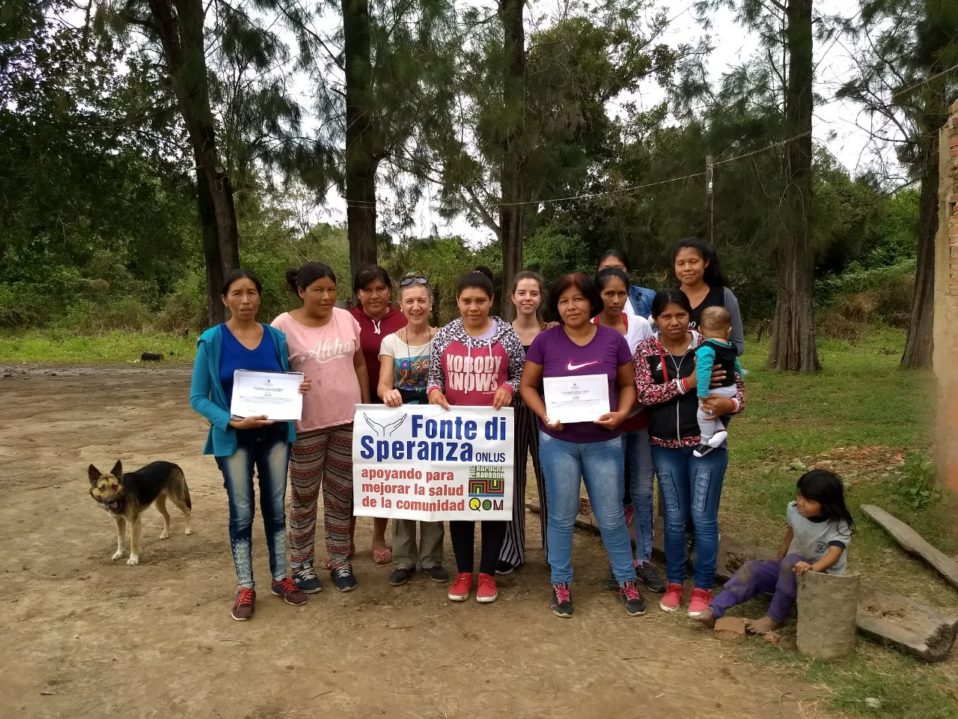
(827, 606)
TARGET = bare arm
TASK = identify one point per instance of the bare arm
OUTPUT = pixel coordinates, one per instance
(391, 397)
(359, 364)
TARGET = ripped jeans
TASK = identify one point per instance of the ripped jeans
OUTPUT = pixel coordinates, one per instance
(691, 489)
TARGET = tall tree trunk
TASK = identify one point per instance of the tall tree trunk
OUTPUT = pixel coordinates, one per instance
(362, 155)
(793, 329)
(512, 180)
(181, 36)
(919, 345)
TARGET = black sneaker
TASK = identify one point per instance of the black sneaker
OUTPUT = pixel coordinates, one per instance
(400, 576)
(561, 600)
(503, 568)
(634, 604)
(306, 580)
(436, 574)
(650, 577)
(611, 582)
(343, 578)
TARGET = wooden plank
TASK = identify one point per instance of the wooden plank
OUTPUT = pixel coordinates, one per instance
(914, 543)
(903, 623)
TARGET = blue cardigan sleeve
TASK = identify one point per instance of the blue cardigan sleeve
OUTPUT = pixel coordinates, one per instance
(200, 387)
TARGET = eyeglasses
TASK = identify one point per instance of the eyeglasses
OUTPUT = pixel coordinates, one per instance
(413, 280)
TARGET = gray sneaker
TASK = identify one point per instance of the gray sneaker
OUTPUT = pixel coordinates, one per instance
(306, 580)
(437, 574)
(650, 577)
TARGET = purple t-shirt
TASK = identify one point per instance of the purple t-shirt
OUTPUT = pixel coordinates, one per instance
(561, 357)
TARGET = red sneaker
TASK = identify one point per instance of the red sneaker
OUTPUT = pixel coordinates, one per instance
(672, 599)
(459, 591)
(700, 601)
(245, 604)
(487, 591)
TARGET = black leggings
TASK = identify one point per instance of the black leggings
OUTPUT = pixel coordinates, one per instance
(462, 533)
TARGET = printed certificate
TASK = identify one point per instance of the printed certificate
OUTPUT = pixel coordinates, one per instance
(274, 394)
(583, 398)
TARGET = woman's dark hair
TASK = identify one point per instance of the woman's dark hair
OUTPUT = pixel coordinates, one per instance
(583, 284)
(670, 296)
(603, 276)
(477, 280)
(483, 270)
(301, 278)
(238, 275)
(369, 274)
(713, 268)
(826, 488)
(617, 254)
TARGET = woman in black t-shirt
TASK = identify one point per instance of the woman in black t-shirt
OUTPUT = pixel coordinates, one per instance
(700, 277)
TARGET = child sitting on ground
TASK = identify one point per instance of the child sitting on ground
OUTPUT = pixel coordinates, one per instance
(820, 528)
(716, 351)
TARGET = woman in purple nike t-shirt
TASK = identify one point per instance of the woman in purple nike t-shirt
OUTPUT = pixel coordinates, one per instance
(591, 450)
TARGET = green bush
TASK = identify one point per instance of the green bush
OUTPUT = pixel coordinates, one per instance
(917, 487)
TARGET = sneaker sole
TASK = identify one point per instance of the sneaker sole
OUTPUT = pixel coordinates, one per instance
(310, 591)
(668, 609)
(487, 600)
(693, 615)
(286, 599)
(344, 590)
(239, 619)
(562, 615)
(458, 597)
(399, 584)
(636, 614)
(437, 580)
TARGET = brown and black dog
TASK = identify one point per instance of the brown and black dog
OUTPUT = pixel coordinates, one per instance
(126, 496)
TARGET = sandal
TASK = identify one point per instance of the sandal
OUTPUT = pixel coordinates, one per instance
(382, 555)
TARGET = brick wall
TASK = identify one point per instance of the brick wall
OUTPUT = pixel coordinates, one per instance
(946, 305)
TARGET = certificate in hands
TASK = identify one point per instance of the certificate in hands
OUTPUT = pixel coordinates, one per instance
(273, 394)
(583, 398)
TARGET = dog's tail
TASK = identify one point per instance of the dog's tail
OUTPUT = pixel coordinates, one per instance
(179, 479)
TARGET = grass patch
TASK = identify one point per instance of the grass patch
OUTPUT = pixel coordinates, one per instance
(60, 347)
(871, 422)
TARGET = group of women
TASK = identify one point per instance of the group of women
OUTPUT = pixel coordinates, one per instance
(378, 352)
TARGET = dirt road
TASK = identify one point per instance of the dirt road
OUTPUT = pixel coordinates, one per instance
(84, 636)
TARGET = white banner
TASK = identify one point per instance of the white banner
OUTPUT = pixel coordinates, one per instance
(423, 462)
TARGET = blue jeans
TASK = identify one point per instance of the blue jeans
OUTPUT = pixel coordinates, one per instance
(600, 464)
(691, 488)
(639, 473)
(267, 450)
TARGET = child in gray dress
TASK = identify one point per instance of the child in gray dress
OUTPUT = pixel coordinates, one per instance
(819, 531)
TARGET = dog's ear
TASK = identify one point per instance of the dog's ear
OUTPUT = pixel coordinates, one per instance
(117, 470)
(94, 474)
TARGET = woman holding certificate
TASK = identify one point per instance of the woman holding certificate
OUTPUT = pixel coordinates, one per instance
(323, 345)
(691, 486)
(403, 375)
(476, 361)
(587, 374)
(240, 444)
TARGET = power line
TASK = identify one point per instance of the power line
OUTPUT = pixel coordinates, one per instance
(925, 81)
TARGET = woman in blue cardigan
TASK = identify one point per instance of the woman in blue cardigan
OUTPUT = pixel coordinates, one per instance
(240, 444)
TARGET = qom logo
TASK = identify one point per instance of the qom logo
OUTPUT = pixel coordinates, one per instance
(486, 488)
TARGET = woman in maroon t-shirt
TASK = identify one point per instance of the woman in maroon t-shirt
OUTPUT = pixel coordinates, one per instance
(377, 318)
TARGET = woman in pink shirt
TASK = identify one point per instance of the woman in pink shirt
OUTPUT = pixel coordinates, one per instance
(476, 360)
(324, 345)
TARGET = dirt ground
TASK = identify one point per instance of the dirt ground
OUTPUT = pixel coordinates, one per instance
(84, 636)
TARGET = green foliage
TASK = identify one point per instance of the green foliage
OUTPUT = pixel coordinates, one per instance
(917, 487)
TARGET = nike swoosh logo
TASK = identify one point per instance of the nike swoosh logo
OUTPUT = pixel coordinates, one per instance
(573, 367)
